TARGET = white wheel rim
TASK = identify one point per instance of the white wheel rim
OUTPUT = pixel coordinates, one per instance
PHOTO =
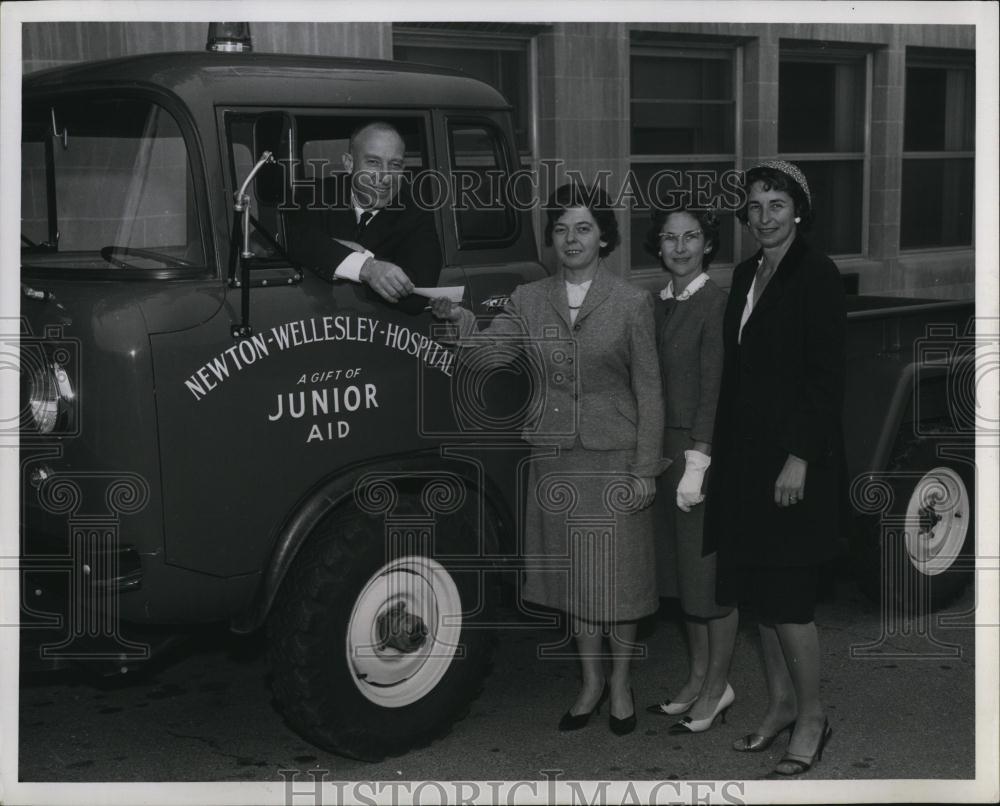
(389, 676)
(937, 521)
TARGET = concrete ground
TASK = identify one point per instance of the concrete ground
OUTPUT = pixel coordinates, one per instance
(901, 703)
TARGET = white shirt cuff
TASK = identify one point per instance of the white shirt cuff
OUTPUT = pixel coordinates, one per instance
(350, 266)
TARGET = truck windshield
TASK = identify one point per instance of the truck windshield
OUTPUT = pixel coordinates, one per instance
(106, 185)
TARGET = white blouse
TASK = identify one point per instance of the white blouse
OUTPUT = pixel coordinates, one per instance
(575, 294)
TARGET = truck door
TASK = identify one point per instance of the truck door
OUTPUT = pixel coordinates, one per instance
(324, 380)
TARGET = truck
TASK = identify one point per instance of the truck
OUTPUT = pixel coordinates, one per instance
(210, 434)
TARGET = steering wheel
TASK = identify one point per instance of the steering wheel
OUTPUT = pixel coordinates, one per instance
(109, 252)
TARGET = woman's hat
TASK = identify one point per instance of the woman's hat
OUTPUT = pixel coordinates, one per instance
(792, 172)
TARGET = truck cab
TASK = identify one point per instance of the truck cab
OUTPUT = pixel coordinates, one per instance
(211, 433)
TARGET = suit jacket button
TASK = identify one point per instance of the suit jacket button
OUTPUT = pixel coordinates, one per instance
(576, 327)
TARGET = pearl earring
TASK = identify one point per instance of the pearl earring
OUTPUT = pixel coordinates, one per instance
(798, 220)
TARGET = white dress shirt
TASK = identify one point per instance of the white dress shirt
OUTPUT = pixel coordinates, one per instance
(350, 267)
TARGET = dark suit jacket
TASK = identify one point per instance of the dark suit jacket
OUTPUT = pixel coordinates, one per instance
(401, 233)
(782, 393)
(689, 337)
(601, 381)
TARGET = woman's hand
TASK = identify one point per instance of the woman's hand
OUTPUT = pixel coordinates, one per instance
(791, 484)
(445, 309)
(689, 492)
(645, 492)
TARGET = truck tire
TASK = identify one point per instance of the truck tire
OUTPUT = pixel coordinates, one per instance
(920, 551)
(375, 652)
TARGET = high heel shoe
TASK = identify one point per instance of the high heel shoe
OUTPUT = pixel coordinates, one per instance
(758, 742)
(689, 725)
(670, 708)
(572, 721)
(623, 727)
(803, 764)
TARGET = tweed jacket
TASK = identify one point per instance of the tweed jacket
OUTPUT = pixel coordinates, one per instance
(401, 233)
(689, 337)
(601, 377)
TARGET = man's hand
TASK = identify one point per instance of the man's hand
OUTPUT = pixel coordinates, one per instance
(446, 309)
(387, 279)
(790, 486)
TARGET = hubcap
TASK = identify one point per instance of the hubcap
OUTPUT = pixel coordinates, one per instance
(937, 521)
(404, 631)
(400, 630)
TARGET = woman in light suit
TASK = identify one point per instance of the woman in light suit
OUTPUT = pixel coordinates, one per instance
(596, 445)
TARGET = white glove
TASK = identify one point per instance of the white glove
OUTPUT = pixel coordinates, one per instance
(689, 489)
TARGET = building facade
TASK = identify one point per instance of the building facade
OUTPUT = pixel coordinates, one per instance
(880, 118)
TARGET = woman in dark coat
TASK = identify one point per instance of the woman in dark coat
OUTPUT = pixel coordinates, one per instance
(774, 501)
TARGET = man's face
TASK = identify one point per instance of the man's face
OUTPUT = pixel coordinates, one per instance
(375, 164)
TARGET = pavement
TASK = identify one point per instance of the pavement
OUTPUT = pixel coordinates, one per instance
(900, 697)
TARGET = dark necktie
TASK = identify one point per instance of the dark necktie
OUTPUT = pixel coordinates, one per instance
(366, 216)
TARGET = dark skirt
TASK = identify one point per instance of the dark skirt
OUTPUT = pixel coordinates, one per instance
(775, 594)
(584, 553)
(683, 572)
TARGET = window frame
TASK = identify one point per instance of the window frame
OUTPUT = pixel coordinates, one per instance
(943, 59)
(725, 50)
(505, 164)
(824, 54)
(524, 43)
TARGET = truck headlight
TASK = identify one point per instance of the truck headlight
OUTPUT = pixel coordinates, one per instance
(50, 394)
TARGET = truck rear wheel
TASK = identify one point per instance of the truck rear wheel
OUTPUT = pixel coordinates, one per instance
(920, 551)
(374, 652)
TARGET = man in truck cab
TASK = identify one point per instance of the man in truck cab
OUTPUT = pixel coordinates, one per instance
(365, 225)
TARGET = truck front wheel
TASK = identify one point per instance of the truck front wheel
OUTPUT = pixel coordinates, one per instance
(919, 553)
(376, 651)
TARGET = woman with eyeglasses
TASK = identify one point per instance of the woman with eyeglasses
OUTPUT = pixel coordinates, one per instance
(689, 337)
(596, 439)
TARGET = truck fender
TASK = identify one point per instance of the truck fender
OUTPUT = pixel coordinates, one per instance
(902, 398)
(337, 493)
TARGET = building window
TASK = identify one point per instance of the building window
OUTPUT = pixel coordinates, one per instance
(938, 150)
(822, 127)
(683, 124)
(500, 61)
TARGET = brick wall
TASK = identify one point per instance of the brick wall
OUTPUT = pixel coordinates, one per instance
(55, 44)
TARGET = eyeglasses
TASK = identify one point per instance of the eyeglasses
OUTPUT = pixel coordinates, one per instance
(671, 238)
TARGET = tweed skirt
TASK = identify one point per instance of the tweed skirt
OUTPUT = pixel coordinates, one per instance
(585, 553)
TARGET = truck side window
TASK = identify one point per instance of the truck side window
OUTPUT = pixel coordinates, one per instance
(479, 171)
(115, 193)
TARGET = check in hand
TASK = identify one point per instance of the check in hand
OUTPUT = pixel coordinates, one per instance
(350, 244)
(444, 308)
(387, 279)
